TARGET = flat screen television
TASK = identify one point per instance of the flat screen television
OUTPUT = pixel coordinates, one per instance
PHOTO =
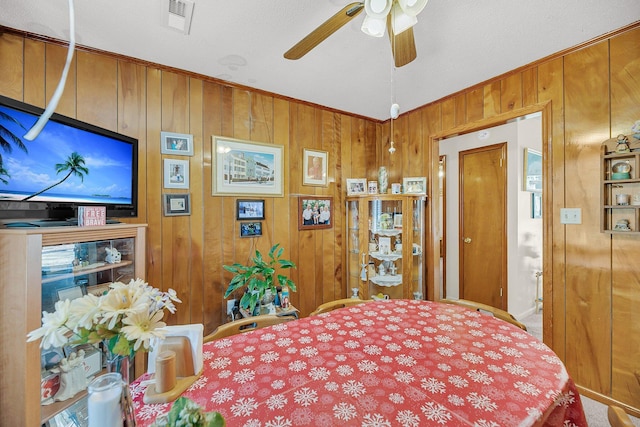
(69, 164)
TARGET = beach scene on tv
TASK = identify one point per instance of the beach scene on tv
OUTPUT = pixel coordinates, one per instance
(63, 163)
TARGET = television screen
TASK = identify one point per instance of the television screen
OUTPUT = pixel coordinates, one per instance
(69, 164)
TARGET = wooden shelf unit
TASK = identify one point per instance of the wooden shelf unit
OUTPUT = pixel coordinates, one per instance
(21, 309)
(611, 211)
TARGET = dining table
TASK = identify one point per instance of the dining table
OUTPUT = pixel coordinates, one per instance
(382, 363)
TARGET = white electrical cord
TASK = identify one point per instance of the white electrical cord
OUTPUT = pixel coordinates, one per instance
(44, 118)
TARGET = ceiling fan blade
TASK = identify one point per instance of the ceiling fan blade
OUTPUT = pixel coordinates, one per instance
(327, 28)
(403, 46)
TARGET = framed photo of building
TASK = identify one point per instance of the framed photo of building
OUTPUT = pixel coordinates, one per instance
(315, 165)
(315, 212)
(176, 204)
(176, 174)
(176, 143)
(243, 167)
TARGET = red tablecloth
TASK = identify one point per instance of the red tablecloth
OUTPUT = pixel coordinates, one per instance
(385, 363)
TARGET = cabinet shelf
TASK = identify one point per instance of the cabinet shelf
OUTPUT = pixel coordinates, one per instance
(388, 233)
(52, 277)
(387, 280)
(386, 257)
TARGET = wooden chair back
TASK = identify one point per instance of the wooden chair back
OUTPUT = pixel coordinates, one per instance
(618, 418)
(246, 325)
(496, 312)
(340, 303)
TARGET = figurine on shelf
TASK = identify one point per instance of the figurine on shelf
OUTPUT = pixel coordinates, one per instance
(113, 256)
(622, 144)
(381, 269)
(398, 244)
(363, 272)
(72, 376)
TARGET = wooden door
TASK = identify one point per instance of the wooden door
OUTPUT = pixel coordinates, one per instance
(483, 217)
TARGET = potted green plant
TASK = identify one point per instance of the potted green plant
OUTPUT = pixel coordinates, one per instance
(259, 278)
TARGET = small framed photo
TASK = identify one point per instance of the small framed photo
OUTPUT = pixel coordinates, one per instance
(250, 209)
(250, 229)
(532, 180)
(373, 187)
(176, 143)
(314, 212)
(356, 186)
(176, 174)
(415, 185)
(315, 167)
(70, 293)
(536, 205)
(176, 204)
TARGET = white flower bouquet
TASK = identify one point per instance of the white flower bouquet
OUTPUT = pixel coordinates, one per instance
(126, 318)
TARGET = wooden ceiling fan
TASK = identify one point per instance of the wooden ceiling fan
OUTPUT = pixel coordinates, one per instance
(403, 44)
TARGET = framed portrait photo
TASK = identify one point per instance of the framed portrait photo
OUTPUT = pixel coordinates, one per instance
(315, 165)
(243, 167)
(356, 186)
(176, 204)
(250, 229)
(415, 185)
(315, 212)
(176, 173)
(176, 143)
(250, 209)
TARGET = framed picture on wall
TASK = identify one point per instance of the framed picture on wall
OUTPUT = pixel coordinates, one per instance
(249, 209)
(315, 212)
(176, 174)
(536, 205)
(314, 167)
(250, 229)
(176, 143)
(532, 180)
(176, 204)
(243, 167)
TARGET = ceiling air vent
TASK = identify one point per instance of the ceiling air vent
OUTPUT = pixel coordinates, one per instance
(177, 14)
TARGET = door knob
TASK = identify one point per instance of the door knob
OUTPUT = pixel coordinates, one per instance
(467, 240)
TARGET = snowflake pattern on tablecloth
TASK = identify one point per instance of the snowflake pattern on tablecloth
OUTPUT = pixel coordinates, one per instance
(395, 363)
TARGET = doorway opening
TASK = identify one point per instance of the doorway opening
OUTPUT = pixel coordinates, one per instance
(525, 240)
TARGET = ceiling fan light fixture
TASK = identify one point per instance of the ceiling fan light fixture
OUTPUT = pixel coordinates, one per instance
(373, 26)
(400, 21)
(377, 8)
(412, 7)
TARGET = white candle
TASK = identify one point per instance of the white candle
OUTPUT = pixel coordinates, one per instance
(104, 401)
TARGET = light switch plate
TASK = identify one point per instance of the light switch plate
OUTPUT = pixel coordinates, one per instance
(570, 216)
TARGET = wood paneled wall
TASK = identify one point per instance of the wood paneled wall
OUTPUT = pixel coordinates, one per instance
(591, 279)
(589, 94)
(187, 252)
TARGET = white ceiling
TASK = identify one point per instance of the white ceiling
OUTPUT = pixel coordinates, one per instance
(459, 43)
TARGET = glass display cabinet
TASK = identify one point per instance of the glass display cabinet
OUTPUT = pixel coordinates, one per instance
(41, 266)
(385, 241)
